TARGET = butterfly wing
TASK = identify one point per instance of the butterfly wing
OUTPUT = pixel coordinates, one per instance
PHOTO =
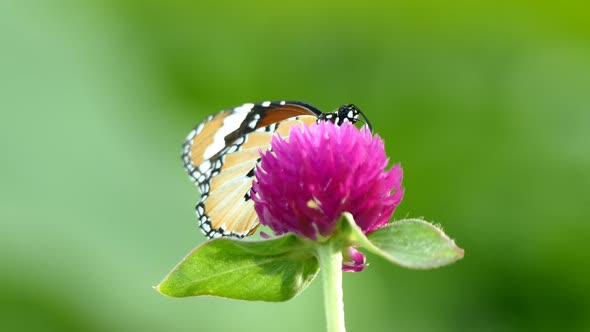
(220, 155)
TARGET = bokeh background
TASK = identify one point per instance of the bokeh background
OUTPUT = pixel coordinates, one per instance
(486, 104)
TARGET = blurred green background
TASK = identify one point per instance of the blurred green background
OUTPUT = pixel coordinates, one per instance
(486, 105)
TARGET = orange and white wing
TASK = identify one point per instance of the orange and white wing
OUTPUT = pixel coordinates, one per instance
(221, 153)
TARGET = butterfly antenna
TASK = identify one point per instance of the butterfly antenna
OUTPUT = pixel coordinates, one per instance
(366, 121)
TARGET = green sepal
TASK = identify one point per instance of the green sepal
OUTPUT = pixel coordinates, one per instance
(272, 270)
(411, 243)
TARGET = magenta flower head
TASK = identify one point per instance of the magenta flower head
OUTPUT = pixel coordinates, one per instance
(306, 181)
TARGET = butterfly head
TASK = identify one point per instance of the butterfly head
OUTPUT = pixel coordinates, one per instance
(345, 113)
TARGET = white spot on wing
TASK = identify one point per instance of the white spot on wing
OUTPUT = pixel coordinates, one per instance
(205, 165)
(266, 104)
(232, 149)
(254, 122)
(194, 132)
(197, 131)
(244, 108)
(283, 102)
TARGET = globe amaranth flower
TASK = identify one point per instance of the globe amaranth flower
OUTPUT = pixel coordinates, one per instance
(306, 181)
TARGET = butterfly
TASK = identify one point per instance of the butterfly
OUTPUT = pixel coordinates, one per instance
(221, 153)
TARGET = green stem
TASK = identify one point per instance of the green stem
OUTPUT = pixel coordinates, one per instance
(330, 258)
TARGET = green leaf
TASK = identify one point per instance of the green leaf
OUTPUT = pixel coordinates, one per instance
(414, 243)
(268, 270)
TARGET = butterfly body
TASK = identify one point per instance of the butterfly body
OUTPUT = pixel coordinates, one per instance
(220, 155)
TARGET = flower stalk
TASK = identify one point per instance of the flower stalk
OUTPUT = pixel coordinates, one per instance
(329, 254)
